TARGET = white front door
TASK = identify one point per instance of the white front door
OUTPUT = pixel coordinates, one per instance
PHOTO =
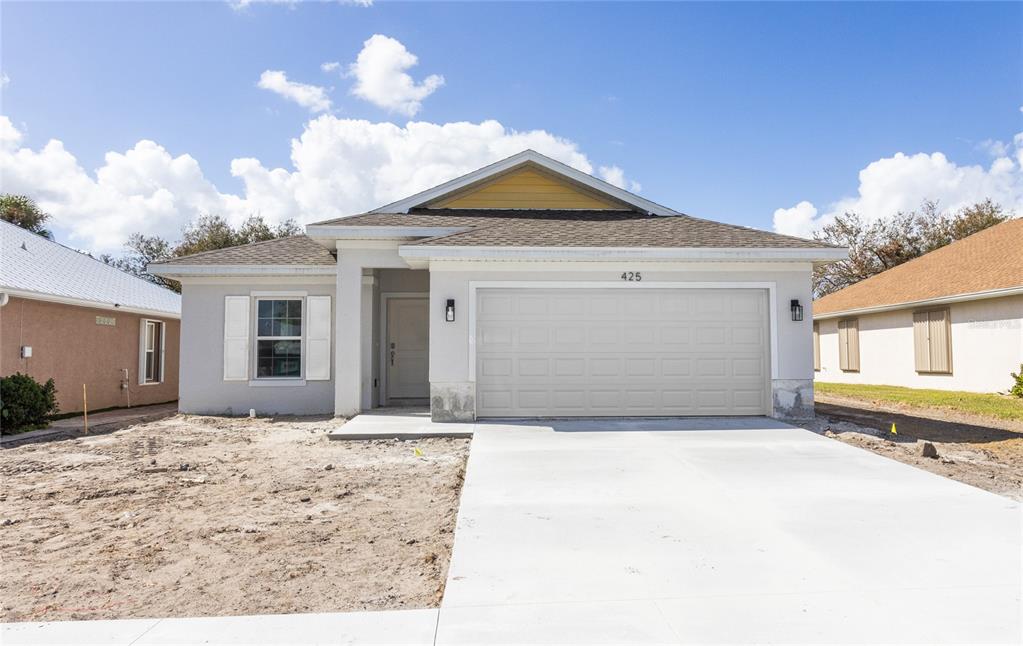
(407, 353)
(621, 352)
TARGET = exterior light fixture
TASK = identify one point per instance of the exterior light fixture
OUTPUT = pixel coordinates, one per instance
(449, 311)
(797, 310)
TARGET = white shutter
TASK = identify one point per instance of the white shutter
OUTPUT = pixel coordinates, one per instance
(236, 338)
(317, 338)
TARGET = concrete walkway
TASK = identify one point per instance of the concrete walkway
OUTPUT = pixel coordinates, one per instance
(98, 422)
(397, 423)
(721, 531)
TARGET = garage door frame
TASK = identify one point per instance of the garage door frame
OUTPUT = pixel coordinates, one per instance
(772, 318)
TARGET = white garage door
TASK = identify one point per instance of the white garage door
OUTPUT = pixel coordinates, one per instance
(567, 352)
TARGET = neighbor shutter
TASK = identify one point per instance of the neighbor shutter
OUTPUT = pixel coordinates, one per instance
(236, 338)
(843, 345)
(921, 342)
(854, 344)
(940, 346)
(816, 346)
(317, 336)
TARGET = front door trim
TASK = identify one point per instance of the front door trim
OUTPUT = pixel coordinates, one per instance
(772, 305)
(385, 299)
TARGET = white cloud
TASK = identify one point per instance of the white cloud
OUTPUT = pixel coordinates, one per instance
(796, 221)
(381, 79)
(330, 66)
(902, 182)
(312, 97)
(615, 176)
(338, 167)
(4, 79)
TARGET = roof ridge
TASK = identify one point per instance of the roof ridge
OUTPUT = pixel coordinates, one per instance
(237, 246)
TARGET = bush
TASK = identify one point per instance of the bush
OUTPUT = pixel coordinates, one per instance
(1017, 388)
(25, 403)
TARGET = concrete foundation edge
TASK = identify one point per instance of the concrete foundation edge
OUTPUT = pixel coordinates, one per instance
(792, 399)
(453, 402)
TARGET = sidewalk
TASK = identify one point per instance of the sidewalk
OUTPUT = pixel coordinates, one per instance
(98, 422)
(412, 627)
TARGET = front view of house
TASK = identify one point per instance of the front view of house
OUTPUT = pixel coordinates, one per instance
(524, 289)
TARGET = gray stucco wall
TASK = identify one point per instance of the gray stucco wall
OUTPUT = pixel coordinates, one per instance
(202, 388)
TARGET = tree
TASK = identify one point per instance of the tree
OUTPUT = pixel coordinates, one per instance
(883, 244)
(208, 233)
(24, 212)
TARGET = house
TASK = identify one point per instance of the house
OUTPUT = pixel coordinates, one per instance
(68, 316)
(950, 320)
(526, 288)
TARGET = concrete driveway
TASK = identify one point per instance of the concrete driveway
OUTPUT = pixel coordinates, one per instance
(713, 530)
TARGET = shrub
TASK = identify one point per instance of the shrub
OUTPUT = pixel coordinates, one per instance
(1017, 388)
(25, 403)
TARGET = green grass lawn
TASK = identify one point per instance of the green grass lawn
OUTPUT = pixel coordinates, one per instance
(975, 403)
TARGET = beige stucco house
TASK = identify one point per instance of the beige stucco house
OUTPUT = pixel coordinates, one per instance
(951, 319)
(67, 316)
(525, 289)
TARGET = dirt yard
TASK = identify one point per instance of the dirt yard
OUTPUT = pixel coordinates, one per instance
(982, 452)
(192, 516)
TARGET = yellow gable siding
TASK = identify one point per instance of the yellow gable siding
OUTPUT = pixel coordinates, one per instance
(526, 189)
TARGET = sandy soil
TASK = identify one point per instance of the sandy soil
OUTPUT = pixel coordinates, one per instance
(192, 516)
(984, 453)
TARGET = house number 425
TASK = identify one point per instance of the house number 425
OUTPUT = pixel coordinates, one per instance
(632, 276)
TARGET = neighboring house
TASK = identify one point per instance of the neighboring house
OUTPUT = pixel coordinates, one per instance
(68, 316)
(526, 288)
(951, 319)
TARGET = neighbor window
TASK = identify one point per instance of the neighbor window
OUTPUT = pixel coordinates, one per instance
(932, 341)
(153, 349)
(849, 345)
(816, 345)
(279, 338)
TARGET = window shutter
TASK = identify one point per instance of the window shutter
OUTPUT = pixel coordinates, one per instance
(854, 344)
(142, 351)
(317, 336)
(843, 345)
(816, 346)
(940, 346)
(921, 342)
(236, 338)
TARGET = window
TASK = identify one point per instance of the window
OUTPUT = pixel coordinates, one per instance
(932, 341)
(816, 345)
(279, 338)
(152, 349)
(849, 345)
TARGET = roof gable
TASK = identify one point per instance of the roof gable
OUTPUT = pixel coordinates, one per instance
(988, 260)
(565, 174)
(527, 187)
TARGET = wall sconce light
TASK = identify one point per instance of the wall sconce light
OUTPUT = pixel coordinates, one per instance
(797, 310)
(449, 311)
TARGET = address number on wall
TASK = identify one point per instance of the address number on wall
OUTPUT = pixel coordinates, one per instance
(632, 276)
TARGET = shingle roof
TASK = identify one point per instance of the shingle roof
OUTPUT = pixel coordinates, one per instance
(988, 260)
(577, 228)
(294, 250)
(31, 263)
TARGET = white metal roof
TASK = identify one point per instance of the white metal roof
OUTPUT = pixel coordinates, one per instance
(34, 267)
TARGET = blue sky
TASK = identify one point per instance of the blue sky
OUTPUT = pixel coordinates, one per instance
(727, 111)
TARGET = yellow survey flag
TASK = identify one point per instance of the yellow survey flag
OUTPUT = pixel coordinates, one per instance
(418, 452)
(894, 432)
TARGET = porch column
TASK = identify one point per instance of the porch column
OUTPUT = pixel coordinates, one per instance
(348, 340)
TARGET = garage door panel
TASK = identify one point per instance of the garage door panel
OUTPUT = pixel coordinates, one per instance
(564, 352)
